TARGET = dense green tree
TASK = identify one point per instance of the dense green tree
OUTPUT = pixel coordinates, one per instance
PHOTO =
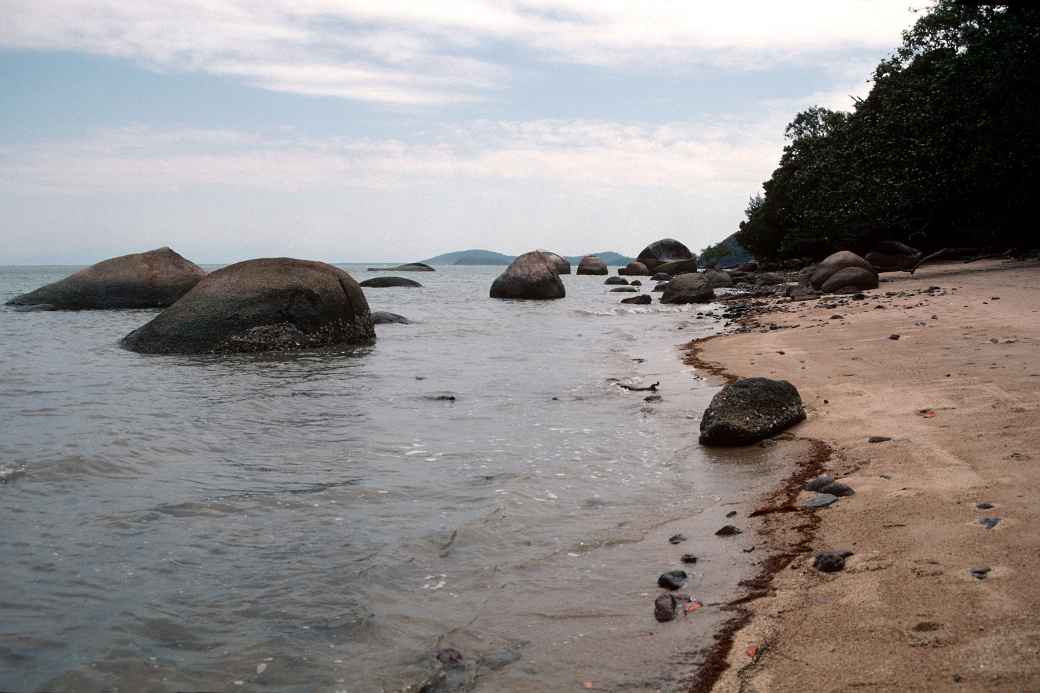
(942, 152)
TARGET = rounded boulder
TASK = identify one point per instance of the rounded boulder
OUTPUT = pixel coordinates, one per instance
(688, 288)
(271, 304)
(662, 252)
(833, 264)
(750, 410)
(530, 276)
(559, 263)
(620, 281)
(634, 269)
(155, 279)
(591, 264)
(850, 280)
(389, 282)
(718, 279)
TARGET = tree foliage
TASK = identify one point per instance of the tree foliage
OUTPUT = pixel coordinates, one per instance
(942, 152)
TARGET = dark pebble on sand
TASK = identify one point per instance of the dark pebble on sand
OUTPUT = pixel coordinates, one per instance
(665, 607)
(728, 531)
(984, 505)
(878, 439)
(979, 573)
(499, 658)
(652, 398)
(893, 336)
(450, 657)
(989, 522)
(688, 558)
(676, 539)
(731, 513)
(838, 489)
(819, 482)
(830, 561)
(672, 580)
(820, 500)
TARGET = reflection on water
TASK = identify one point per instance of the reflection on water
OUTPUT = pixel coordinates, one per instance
(321, 522)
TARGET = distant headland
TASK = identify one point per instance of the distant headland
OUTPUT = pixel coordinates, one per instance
(490, 257)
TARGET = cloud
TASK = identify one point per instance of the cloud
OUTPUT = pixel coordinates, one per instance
(406, 53)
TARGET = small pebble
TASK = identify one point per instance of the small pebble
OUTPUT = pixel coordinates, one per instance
(878, 439)
(989, 522)
(688, 558)
(893, 336)
(979, 573)
(821, 500)
(984, 505)
(665, 607)
(676, 539)
(728, 531)
(831, 561)
(819, 482)
(731, 513)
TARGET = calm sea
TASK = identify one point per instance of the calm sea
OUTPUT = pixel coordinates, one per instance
(327, 521)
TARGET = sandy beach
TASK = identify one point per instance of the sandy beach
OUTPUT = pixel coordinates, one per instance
(946, 364)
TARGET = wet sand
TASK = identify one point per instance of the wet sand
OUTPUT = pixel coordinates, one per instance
(958, 393)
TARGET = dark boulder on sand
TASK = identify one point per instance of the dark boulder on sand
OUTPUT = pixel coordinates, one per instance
(591, 264)
(272, 304)
(662, 252)
(838, 262)
(688, 288)
(749, 410)
(154, 279)
(388, 282)
(893, 256)
(616, 281)
(635, 269)
(559, 263)
(850, 280)
(530, 276)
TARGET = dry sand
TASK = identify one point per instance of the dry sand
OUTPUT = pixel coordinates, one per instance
(959, 394)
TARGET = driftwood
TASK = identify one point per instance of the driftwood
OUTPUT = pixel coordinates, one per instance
(973, 255)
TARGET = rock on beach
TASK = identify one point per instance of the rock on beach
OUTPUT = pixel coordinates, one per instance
(749, 410)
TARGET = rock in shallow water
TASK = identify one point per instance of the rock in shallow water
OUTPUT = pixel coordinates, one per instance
(641, 300)
(274, 304)
(665, 608)
(382, 317)
(750, 410)
(531, 276)
(672, 580)
(389, 282)
(688, 288)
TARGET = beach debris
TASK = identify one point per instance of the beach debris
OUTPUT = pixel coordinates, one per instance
(635, 388)
(587, 685)
(819, 482)
(692, 606)
(989, 522)
(878, 439)
(9, 474)
(672, 580)
(979, 573)
(753, 651)
(442, 397)
(449, 657)
(665, 607)
(750, 410)
(676, 539)
(728, 531)
(838, 489)
(261, 668)
(926, 413)
(688, 558)
(831, 561)
(984, 505)
(820, 500)
(893, 337)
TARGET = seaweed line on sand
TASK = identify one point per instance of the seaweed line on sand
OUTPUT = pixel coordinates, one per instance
(780, 514)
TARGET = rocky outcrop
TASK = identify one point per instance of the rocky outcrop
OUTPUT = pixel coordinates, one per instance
(273, 304)
(154, 279)
(530, 276)
(407, 267)
(850, 280)
(662, 252)
(661, 277)
(688, 288)
(591, 264)
(635, 269)
(749, 410)
(833, 264)
(620, 281)
(387, 282)
(559, 263)
(678, 267)
(718, 279)
(893, 256)
(382, 317)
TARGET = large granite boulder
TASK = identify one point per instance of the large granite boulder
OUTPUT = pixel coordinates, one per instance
(621, 281)
(591, 264)
(661, 277)
(662, 252)
(893, 256)
(635, 269)
(154, 279)
(688, 288)
(718, 279)
(388, 282)
(833, 264)
(750, 410)
(559, 263)
(272, 304)
(677, 267)
(530, 276)
(850, 280)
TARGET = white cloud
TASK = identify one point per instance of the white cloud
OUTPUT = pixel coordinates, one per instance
(420, 53)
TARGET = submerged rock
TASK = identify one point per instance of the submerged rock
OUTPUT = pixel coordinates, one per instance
(635, 269)
(591, 264)
(530, 276)
(382, 317)
(387, 282)
(688, 288)
(662, 252)
(274, 304)
(624, 290)
(615, 280)
(155, 279)
(641, 300)
(749, 410)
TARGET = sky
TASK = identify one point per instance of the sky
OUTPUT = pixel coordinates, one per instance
(374, 130)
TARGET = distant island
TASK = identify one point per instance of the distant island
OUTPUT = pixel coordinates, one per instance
(490, 257)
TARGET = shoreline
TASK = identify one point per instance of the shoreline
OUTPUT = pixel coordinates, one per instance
(797, 629)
